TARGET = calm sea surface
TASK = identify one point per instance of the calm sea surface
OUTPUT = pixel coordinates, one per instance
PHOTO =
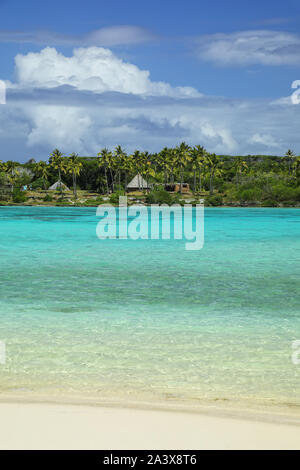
(146, 319)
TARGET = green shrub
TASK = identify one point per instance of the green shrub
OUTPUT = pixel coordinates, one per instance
(48, 198)
(215, 200)
(290, 203)
(160, 196)
(19, 196)
(281, 192)
(40, 184)
(253, 194)
(269, 203)
(114, 198)
(63, 202)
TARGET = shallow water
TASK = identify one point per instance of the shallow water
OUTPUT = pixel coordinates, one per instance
(146, 318)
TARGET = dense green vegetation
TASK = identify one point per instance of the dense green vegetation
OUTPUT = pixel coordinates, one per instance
(268, 181)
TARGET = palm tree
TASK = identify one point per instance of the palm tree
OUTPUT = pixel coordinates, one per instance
(57, 162)
(296, 165)
(239, 165)
(146, 167)
(111, 163)
(137, 161)
(74, 167)
(289, 157)
(182, 158)
(198, 157)
(103, 161)
(12, 173)
(165, 160)
(194, 157)
(119, 156)
(215, 167)
(41, 169)
(128, 165)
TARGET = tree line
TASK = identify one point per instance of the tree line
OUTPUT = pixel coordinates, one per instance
(111, 170)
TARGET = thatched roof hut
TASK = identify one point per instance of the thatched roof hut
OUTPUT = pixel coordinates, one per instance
(57, 185)
(137, 183)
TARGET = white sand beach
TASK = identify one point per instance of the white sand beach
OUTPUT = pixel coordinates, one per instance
(52, 426)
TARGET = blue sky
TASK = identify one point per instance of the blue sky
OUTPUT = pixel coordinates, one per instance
(220, 73)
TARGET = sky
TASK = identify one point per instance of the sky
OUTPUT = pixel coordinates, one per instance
(81, 76)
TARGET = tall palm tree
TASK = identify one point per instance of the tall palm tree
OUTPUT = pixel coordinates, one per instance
(137, 160)
(74, 167)
(182, 158)
(146, 167)
(197, 158)
(103, 162)
(289, 157)
(194, 164)
(10, 168)
(119, 157)
(128, 165)
(215, 167)
(41, 169)
(112, 166)
(296, 165)
(57, 162)
(165, 160)
(239, 165)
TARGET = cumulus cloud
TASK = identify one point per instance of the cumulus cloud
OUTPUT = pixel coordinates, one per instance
(95, 69)
(94, 99)
(108, 37)
(250, 47)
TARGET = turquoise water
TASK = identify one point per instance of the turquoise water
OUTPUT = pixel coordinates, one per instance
(147, 319)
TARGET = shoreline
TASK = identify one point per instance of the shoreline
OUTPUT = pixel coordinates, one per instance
(145, 204)
(252, 410)
(67, 426)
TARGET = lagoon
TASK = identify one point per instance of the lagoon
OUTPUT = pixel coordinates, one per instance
(146, 320)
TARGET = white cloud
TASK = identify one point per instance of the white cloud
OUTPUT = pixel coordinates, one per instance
(250, 47)
(265, 139)
(95, 69)
(94, 99)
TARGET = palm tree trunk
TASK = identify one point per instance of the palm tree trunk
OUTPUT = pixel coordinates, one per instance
(211, 187)
(112, 180)
(74, 185)
(194, 181)
(105, 171)
(59, 179)
(200, 182)
(181, 179)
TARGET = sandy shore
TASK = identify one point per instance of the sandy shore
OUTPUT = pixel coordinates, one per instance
(48, 426)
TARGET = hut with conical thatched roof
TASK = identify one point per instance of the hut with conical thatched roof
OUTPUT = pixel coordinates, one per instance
(57, 185)
(138, 183)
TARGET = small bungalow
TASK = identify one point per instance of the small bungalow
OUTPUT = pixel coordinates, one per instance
(57, 185)
(175, 187)
(138, 183)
